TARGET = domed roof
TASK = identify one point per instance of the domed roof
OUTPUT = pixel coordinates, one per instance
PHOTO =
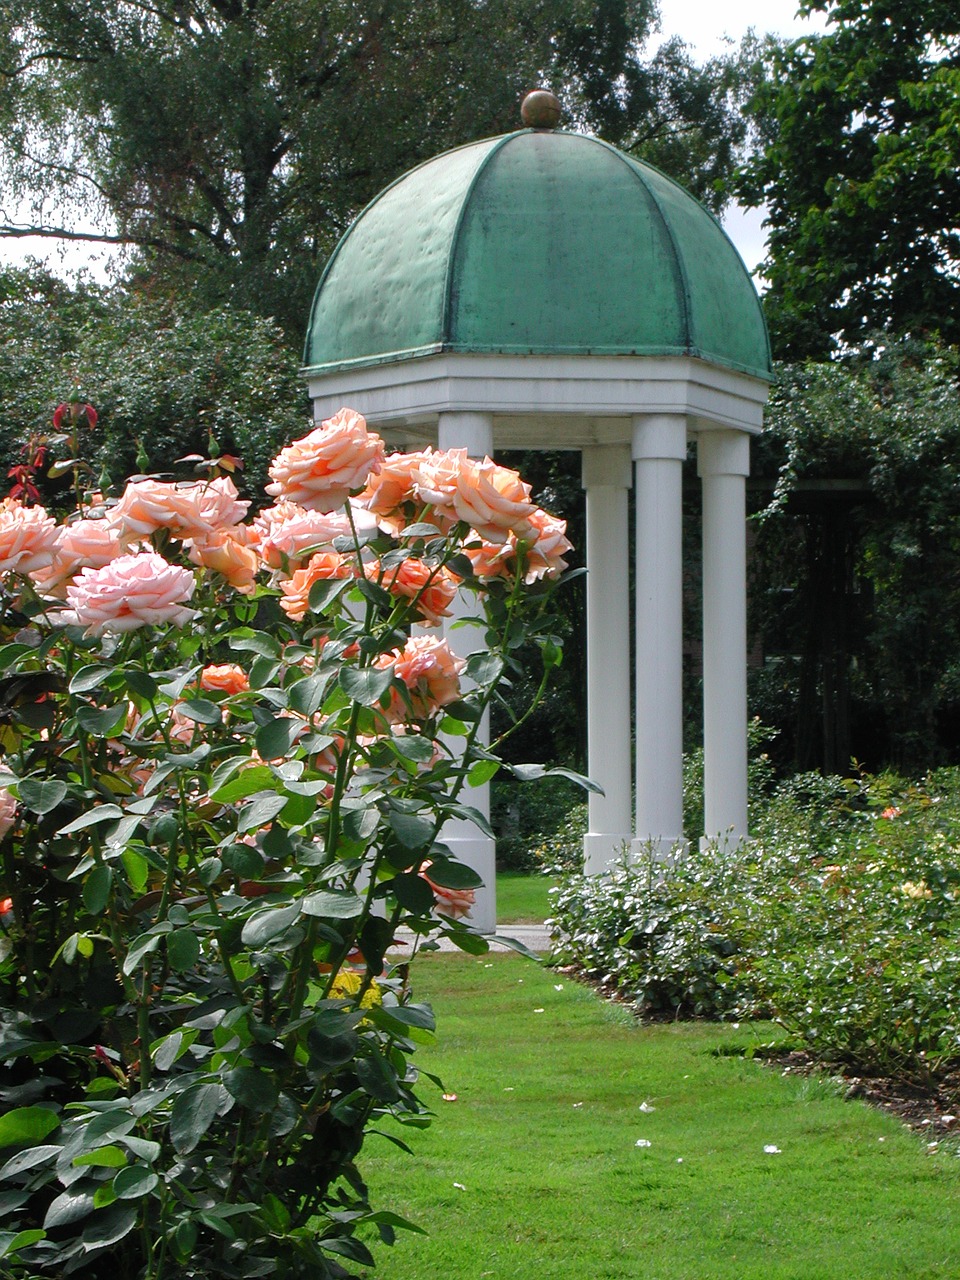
(537, 242)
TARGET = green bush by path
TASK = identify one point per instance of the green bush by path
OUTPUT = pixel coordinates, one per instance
(535, 1172)
(841, 921)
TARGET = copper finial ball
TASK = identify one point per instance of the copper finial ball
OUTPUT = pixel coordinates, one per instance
(540, 110)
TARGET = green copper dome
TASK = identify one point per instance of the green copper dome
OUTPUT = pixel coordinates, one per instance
(537, 242)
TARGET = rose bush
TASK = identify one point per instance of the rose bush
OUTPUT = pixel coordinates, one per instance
(225, 770)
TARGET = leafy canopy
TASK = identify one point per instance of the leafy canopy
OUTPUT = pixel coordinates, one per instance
(230, 143)
(858, 165)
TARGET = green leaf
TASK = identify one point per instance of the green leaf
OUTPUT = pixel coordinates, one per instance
(183, 949)
(28, 1159)
(366, 685)
(166, 1051)
(109, 1157)
(359, 825)
(377, 1077)
(41, 797)
(102, 722)
(201, 710)
(137, 869)
(412, 830)
(109, 1226)
(142, 684)
(134, 1182)
(482, 771)
(258, 777)
(99, 813)
(96, 888)
(484, 668)
(89, 678)
(254, 1089)
(254, 642)
(268, 924)
(27, 1124)
(22, 1240)
(275, 739)
(412, 892)
(325, 591)
(69, 1206)
(259, 813)
(453, 875)
(333, 906)
(192, 1115)
(141, 947)
(306, 696)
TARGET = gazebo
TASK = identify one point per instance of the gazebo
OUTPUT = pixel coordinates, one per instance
(543, 290)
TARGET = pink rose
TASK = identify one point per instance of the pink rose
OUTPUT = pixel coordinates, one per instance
(321, 471)
(85, 544)
(132, 591)
(493, 499)
(8, 811)
(431, 672)
(28, 538)
(290, 534)
(190, 510)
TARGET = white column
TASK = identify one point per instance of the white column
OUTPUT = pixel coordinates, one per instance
(606, 479)
(474, 432)
(659, 450)
(723, 462)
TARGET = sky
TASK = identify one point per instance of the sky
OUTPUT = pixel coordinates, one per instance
(707, 26)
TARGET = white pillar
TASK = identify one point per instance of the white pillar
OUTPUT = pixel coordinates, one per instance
(474, 432)
(723, 462)
(606, 479)
(659, 450)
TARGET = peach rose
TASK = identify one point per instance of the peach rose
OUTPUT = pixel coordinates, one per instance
(393, 488)
(437, 478)
(8, 811)
(545, 554)
(194, 509)
(296, 590)
(86, 544)
(224, 553)
(132, 591)
(431, 672)
(432, 589)
(226, 677)
(28, 537)
(493, 499)
(456, 903)
(491, 559)
(321, 470)
(288, 533)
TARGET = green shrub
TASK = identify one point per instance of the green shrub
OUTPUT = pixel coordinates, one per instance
(841, 921)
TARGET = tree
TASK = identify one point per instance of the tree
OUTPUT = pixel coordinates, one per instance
(229, 143)
(859, 164)
(857, 566)
(164, 377)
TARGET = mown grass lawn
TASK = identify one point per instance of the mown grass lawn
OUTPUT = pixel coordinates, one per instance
(535, 1172)
(523, 898)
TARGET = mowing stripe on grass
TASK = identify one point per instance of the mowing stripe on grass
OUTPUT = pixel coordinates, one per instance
(583, 1145)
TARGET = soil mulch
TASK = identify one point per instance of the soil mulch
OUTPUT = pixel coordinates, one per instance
(931, 1107)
